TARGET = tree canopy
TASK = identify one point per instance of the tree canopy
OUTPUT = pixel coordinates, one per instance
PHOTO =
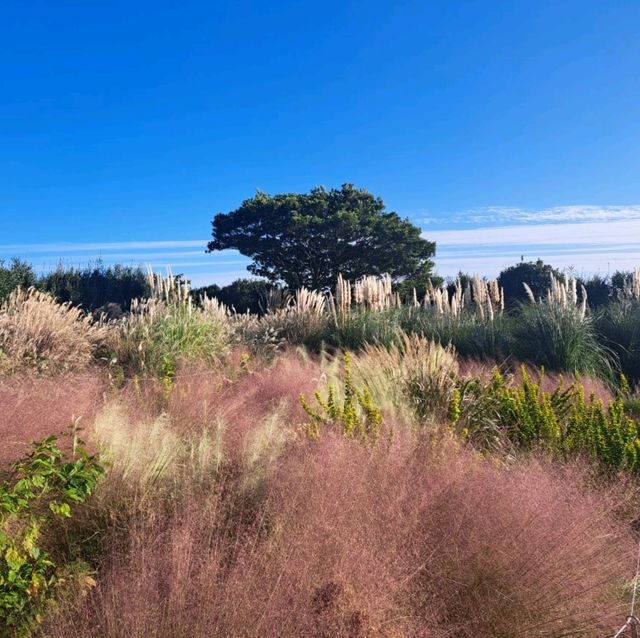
(536, 274)
(306, 239)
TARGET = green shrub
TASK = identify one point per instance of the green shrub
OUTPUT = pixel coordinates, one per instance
(42, 486)
(353, 412)
(501, 416)
(607, 435)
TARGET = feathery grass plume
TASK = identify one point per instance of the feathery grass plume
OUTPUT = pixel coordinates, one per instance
(214, 308)
(277, 299)
(411, 379)
(529, 292)
(485, 297)
(563, 294)
(304, 320)
(309, 302)
(38, 333)
(342, 295)
(375, 293)
(168, 288)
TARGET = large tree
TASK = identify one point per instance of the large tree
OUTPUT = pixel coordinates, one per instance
(306, 239)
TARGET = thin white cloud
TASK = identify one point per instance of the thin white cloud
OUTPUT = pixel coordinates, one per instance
(612, 233)
(228, 258)
(588, 247)
(66, 247)
(583, 264)
(222, 279)
(561, 214)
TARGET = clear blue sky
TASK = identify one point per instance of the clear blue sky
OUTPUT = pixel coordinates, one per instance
(124, 124)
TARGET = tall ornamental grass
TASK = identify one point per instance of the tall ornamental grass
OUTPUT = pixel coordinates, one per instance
(618, 327)
(37, 333)
(415, 373)
(472, 335)
(167, 328)
(558, 333)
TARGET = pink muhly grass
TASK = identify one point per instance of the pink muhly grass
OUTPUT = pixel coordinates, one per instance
(33, 407)
(197, 400)
(348, 541)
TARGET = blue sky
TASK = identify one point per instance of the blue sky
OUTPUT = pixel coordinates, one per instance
(501, 128)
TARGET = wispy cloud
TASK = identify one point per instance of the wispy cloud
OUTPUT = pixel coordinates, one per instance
(66, 247)
(596, 246)
(185, 256)
(589, 238)
(595, 233)
(560, 214)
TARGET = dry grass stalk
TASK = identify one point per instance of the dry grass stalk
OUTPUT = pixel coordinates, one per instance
(38, 332)
(343, 295)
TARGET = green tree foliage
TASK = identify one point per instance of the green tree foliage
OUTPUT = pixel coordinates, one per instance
(95, 286)
(618, 280)
(599, 290)
(536, 274)
(306, 239)
(16, 273)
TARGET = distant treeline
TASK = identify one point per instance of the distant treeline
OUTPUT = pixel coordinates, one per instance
(93, 287)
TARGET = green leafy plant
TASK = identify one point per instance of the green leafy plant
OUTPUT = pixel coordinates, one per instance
(501, 415)
(355, 412)
(608, 435)
(41, 486)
